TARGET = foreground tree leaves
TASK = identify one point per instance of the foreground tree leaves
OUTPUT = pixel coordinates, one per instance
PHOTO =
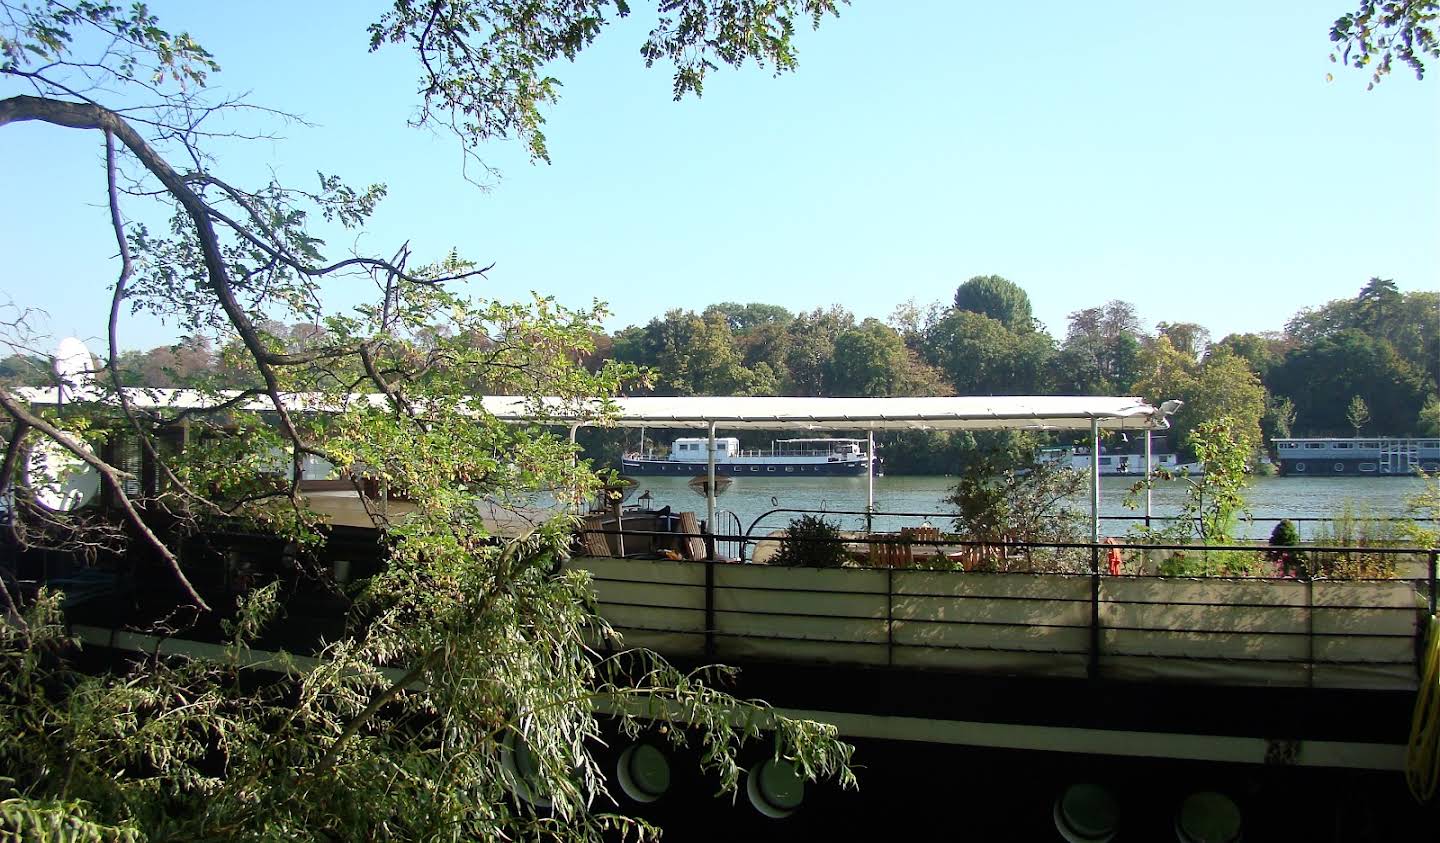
(464, 649)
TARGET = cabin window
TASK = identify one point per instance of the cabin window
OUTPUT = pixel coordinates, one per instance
(1430, 444)
(1104, 460)
(1369, 444)
(1286, 446)
(754, 468)
(789, 468)
(769, 468)
(1367, 466)
(1342, 444)
(1314, 444)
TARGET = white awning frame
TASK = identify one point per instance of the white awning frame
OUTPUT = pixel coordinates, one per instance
(1005, 412)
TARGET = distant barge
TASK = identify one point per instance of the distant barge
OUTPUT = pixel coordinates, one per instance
(788, 458)
(1356, 456)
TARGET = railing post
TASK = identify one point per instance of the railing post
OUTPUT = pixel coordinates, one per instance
(710, 606)
(1092, 669)
(1434, 554)
(889, 613)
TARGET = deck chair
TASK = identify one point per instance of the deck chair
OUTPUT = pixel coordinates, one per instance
(692, 547)
(596, 544)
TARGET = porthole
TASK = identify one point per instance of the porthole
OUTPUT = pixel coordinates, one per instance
(1367, 466)
(790, 469)
(644, 772)
(1300, 467)
(1339, 467)
(775, 788)
(1208, 817)
(769, 468)
(522, 769)
(1086, 813)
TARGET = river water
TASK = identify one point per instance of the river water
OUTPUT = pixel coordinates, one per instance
(1268, 498)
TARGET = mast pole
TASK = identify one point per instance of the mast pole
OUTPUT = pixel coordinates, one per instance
(1149, 474)
(869, 480)
(710, 491)
(1095, 479)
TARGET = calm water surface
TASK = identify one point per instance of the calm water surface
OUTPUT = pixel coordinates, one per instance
(1269, 498)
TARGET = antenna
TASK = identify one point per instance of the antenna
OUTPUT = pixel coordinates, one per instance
(74, 370)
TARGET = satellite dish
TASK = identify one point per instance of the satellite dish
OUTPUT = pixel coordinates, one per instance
(60, 480)
(75, 370)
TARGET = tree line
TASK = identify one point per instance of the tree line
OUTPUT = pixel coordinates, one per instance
(1371, 359)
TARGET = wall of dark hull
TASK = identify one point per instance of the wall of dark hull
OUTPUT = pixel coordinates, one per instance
(1348, 467)
(645, 468)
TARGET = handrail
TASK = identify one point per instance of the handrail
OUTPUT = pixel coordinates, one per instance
(1099, 623)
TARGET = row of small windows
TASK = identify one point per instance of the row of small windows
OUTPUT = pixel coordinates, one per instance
(754, 469)
(1290, 446)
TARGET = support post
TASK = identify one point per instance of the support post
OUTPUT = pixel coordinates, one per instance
(1092, 665)
(1095, 480)
(710, 492)
(574, 459)
(869, 481)
(710, 607)
(1149, 474)
(1434, 554)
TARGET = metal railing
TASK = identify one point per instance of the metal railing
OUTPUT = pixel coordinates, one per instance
(1096, 619)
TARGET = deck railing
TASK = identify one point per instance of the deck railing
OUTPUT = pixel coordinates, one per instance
(947, 614)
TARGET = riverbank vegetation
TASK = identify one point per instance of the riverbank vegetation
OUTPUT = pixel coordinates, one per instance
(1368, 364)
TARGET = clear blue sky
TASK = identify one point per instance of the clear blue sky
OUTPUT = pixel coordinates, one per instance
(1192, 160)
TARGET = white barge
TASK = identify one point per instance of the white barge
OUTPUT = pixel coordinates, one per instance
(787, 458)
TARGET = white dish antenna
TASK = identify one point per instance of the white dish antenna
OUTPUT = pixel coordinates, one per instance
(75, 370)
(60, 480)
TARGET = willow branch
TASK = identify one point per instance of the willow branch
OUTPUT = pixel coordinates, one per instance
(114, 478)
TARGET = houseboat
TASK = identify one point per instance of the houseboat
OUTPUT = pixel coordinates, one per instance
(789, 458)
(1115, 464)
(1359, 456)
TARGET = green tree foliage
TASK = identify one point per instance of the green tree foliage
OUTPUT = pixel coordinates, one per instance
(1429, 422)
(811, 541)
(811, 345)
(1186, 337)
(1000, 299)
(464, 649)
(1316, 377)
(1101, 352)
(1380, 31)
(1220, 387)
(868, 360)
(1004, 498)
(1262, 352)
(980, 356)
(486, 65)
(1357, 414)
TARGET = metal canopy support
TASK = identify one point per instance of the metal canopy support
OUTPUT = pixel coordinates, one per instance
(574, 460)
(869, 480)
(1149, 475)
(710, 491)
(1094, 480)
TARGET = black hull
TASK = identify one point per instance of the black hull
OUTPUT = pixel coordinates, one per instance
(659, 468)
(1350, 467)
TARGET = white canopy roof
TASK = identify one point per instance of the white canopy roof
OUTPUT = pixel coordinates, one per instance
(1033, 412)
(1024, 412)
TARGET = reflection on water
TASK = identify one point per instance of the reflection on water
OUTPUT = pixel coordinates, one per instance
(1269, 498)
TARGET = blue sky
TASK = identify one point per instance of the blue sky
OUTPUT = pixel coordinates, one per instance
(1192, 160)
